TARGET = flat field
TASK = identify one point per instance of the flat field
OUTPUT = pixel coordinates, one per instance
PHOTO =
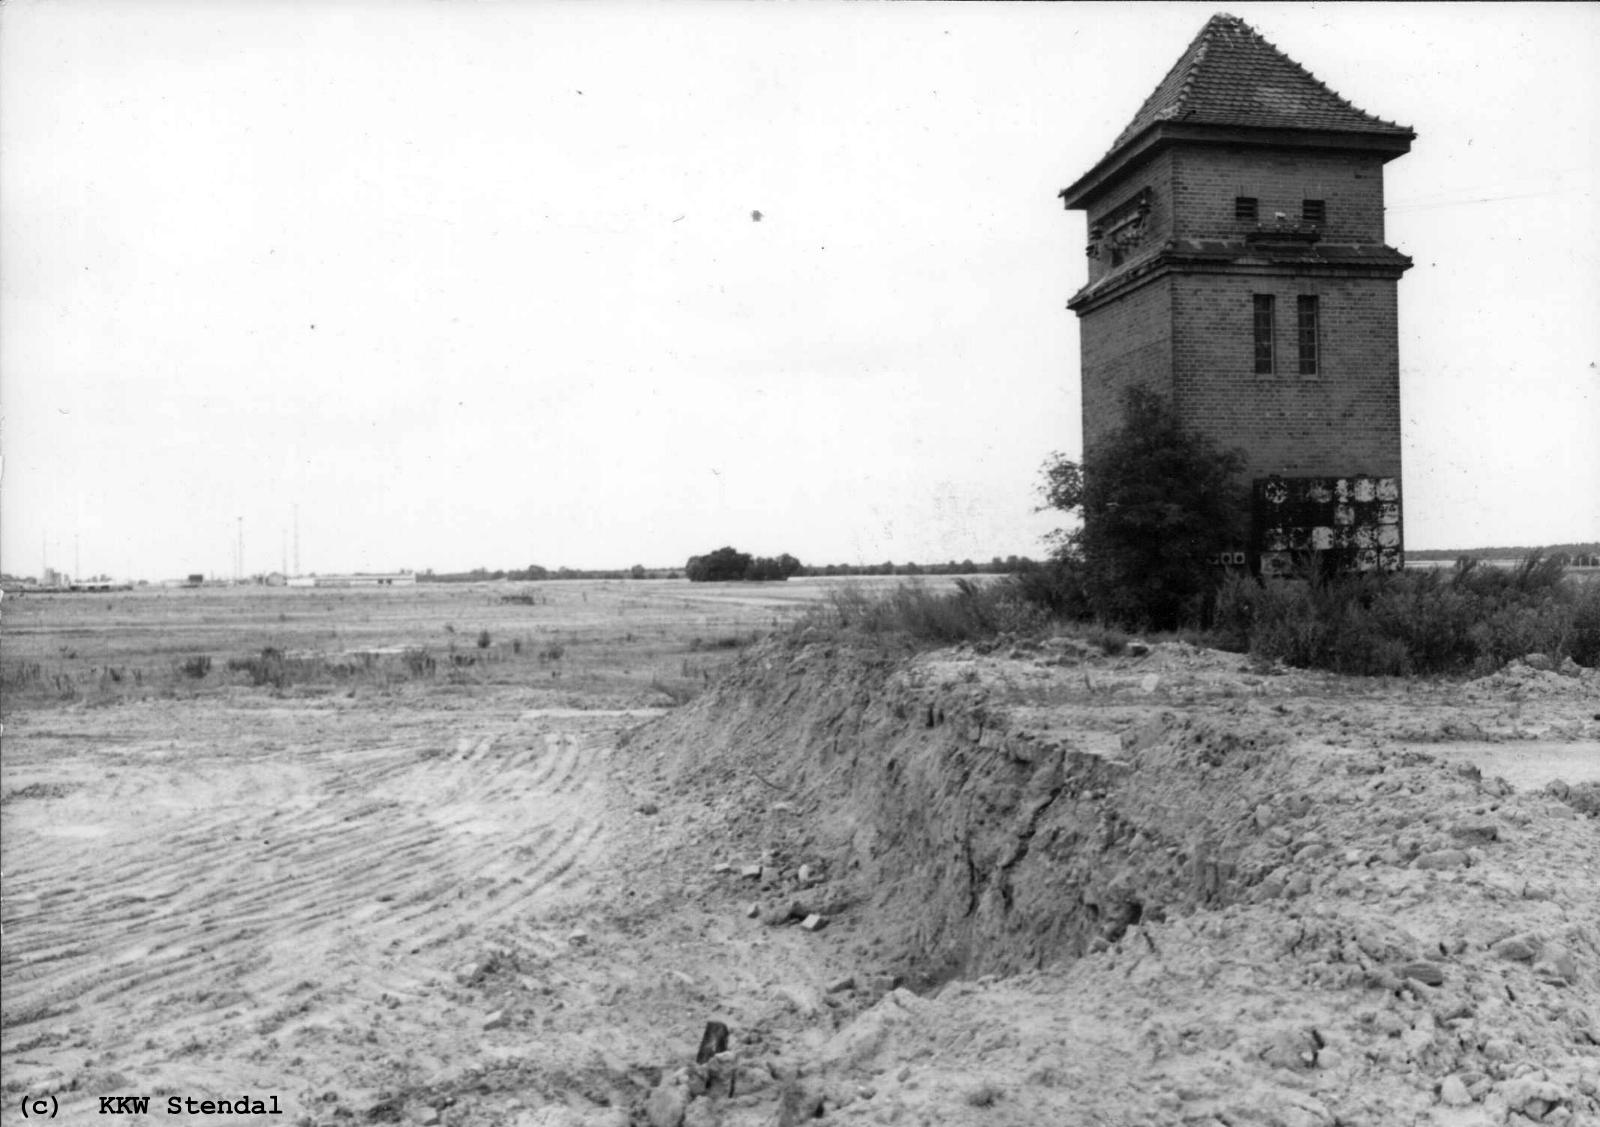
(251, 836)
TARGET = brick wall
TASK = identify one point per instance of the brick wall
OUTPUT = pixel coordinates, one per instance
(1343, 421)
(1125, 343)
(1205, 181)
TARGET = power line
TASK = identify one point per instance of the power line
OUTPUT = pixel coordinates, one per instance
(1475, 200)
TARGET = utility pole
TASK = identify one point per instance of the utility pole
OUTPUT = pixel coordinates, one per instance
(297, 539)
(238, 569)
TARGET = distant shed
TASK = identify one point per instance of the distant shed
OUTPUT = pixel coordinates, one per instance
(381, 579)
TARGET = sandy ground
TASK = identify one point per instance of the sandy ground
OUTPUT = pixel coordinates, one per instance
(509, 906)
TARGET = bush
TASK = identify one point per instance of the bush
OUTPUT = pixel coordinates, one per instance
(268, 668)
(1471, 620)
(1057, 586)
(483, 639)
(913, 613)
(197, 667)
(1157, 501)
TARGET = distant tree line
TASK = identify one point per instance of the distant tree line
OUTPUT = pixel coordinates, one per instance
(996, 566)
(729, 564)
(1572, 555)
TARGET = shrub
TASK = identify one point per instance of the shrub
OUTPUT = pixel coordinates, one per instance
(1157, 502)
(1109, 640)
(21, 675)
(483, 639)
(1057, 586)
(196, 667)
(268, 668)
(1471, 620)
(420, 663)
(913, 613)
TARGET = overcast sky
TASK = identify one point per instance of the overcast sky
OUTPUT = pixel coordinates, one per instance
(481, 284)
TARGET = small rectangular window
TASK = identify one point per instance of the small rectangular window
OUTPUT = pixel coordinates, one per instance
(1264, 303)
(1306, 308)
(1314, 212)
(1244, 207)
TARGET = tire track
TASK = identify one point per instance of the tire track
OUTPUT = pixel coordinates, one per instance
(208, 897)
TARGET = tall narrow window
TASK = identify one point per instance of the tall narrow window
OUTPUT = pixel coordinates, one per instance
(1314, 212)
(1264, 327)
(1306, 308)
(1244, 207)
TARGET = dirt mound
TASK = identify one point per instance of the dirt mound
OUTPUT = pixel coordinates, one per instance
(1123, 892)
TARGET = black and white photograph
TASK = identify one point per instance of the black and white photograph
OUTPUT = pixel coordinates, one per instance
(733, 564)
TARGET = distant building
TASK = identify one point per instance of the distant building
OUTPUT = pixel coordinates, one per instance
(1237, 266)
(388, 579)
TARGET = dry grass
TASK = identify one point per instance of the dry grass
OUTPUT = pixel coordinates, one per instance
(624, 642)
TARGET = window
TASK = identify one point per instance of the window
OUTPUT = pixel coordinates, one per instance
(1306, 310)
(1264, 326)
(1244, 207)
(1314, 212)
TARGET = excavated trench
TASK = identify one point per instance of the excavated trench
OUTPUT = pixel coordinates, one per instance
(1157, 891)
(973, 833)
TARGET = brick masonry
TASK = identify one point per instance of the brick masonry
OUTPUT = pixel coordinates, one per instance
(1126, 343)
(1344, 420)
(1206, 181)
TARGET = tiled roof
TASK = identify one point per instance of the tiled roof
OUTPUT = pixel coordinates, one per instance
(1231, 76)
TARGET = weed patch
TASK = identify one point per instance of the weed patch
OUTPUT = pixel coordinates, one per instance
(914, 614)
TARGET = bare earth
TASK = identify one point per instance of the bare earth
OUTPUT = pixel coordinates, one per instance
(509, 890)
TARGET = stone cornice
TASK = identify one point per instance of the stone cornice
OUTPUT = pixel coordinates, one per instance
(1325, 262)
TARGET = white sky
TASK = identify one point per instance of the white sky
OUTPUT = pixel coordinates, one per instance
(477, 284)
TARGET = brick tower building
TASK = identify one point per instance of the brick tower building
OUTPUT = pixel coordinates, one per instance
(1237, 265)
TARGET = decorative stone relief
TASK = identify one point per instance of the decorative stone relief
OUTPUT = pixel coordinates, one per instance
(1120, 230)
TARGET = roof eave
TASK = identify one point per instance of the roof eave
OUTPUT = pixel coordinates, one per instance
(1162, 134)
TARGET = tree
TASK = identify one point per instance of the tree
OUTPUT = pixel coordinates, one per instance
(727, 564)
(1156, 500)
(718, 566)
